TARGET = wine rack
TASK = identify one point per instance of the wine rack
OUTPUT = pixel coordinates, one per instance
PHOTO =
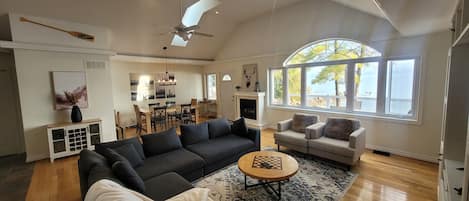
(66, 139)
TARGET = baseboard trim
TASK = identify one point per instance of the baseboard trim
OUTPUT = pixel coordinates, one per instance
(36, 157)
(421, 157)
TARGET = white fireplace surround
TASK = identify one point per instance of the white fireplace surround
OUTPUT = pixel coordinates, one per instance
(259, 97)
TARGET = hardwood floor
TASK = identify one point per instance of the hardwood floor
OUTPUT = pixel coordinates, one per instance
(392, 178)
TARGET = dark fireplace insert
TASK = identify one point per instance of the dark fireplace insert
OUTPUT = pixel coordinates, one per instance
(247, 108)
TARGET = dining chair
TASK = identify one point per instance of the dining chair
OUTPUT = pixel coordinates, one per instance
(194, 109)
(120, 130)
(160, 117)
(140, 120)
(186, 115)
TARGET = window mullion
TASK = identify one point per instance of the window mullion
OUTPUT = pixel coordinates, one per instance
(285, 86)
(303, 87)
(349, 85)
(381, 99)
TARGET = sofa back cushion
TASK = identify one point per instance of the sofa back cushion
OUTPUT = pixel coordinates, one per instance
(218, 127)
(340, 128)
(192, 134)
(125, 152)
(239, 127)
(134, 141)
(301, 121)
(124, 171)
(162, 142)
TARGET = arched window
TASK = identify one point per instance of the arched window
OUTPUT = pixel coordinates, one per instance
(331, 50)
(342, 75)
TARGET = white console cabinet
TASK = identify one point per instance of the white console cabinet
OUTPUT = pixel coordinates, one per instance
(67, 139)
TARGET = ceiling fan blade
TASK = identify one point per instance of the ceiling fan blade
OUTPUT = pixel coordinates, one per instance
(183, 35)
(190, 28)
(201, 34)
(166, 33)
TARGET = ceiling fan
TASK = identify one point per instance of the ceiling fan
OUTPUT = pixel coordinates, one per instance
(189, 22)
(186, 32)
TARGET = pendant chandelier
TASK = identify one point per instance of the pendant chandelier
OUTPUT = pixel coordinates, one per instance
(167, 79)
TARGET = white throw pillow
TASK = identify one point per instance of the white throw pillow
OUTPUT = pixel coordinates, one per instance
(107, 190)
(193, 194)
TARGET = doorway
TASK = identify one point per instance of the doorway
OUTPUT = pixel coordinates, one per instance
(227, 96)
(11, 141)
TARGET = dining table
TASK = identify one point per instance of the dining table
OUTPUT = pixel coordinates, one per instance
(171, 108)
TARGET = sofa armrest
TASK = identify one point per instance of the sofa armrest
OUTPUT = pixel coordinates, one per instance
(284, 125)
(254, 134)
(357, 139)
(314, 131)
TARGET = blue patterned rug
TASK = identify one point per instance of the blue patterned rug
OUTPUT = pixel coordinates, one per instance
(316, 180)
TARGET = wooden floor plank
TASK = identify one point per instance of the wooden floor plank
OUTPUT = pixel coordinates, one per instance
(381, 178)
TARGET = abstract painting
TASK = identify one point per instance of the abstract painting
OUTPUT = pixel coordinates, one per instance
(70, 89)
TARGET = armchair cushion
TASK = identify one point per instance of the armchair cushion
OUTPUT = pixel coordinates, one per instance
(301, 121)
(333, 146)
(340, 128)
(291, 137)
(314, 131)
(284, 125)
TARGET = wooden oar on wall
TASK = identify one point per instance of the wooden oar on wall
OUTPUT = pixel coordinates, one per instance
(72, 33)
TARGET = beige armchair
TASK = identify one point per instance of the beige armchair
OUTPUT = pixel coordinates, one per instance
(292, 133)
(341, 140)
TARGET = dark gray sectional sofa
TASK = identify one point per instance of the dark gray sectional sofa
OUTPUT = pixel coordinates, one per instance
(170, 163)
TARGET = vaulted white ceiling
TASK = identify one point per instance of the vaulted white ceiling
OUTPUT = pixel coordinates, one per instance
(135, 24)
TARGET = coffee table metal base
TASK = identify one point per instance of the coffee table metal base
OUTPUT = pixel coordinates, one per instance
(277, 192)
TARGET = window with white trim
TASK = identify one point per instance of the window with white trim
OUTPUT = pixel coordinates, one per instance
(212, 86)
(342, 75)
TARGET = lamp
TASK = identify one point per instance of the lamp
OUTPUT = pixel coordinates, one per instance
(166, 79)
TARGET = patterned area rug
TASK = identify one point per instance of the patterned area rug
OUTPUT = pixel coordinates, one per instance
(315, 180)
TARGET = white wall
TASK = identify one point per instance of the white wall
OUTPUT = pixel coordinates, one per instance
(33, 71)
(37, 100)
(268, 40)
(189, 84)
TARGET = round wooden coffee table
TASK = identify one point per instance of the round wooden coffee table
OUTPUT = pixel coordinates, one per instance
(268, 167)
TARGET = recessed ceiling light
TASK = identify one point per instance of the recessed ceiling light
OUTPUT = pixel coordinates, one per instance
(217, 12)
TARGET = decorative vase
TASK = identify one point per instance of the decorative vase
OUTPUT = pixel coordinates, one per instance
(76, 114)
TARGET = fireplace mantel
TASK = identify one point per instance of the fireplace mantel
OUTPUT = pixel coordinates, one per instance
(258, 122)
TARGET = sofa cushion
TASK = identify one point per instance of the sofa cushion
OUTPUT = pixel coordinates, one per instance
(331, 145)
(134, 141)
(339, 128)
(180, 161)
(301, 121)
(220, 148)
(291, 137)
(126, 173)
(128, 151)
(192, 134)
(166, 186)
(99, 172)
(218, 127)
(125, 152)
(112, 156)
(88, 159)
(159, 143)
(239, 127)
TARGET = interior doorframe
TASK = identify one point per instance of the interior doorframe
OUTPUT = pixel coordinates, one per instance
(11, 68)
